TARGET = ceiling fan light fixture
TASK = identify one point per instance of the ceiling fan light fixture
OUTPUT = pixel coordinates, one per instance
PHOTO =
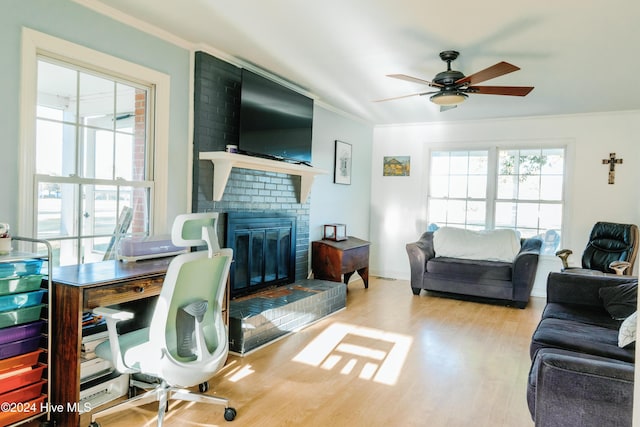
(448, 98)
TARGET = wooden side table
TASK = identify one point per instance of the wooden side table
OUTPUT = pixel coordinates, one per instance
(330, 260)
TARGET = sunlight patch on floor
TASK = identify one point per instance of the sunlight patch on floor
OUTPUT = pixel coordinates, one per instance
(240, 373)
(334, 349)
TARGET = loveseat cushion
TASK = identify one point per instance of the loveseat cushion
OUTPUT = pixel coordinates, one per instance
(579, 337)
(477, 270)
(580, 313)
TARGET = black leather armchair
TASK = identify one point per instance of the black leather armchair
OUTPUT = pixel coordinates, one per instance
(612, 248)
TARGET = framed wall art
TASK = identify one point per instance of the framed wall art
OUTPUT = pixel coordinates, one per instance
(396, 166)
(342, 171)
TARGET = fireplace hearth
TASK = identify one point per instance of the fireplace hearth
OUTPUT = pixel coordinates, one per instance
(264, 248)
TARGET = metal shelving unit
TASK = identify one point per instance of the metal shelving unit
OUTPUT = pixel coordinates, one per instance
(20, 256)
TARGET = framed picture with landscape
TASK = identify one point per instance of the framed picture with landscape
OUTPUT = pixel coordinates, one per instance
(396, 166)
(342, 172)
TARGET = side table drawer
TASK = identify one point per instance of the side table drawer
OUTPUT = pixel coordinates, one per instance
(122, 292)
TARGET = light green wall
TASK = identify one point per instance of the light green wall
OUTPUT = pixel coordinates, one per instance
(67, 20)
(338, 203)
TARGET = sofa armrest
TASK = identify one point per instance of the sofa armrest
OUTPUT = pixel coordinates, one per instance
(569, 288)
(419, 253)
(576, 391)
(531, 245)
(525, 265)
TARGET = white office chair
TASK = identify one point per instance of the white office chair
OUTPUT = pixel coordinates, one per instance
(186, 342)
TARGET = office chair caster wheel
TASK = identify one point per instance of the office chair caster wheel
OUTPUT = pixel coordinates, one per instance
(229, 414)
(203, 387)
(94, 424)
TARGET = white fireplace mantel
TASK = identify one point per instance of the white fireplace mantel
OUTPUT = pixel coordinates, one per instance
(223, 162)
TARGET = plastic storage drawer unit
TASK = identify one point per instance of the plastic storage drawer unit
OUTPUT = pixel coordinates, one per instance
(21, 300)
(20, 316)
(22, 394)
(21, 377)
(15, 348)
(15, 284)
(22, 361)
(20, 332)
(28, 267)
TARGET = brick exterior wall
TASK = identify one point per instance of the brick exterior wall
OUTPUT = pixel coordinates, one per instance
(139, 202)
(216, 124)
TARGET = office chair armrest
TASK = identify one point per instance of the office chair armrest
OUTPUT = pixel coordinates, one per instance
(113, 317)
(619, 266)
(563, 254)
(110, 313)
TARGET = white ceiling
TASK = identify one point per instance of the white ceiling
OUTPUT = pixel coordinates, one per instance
(581, 56)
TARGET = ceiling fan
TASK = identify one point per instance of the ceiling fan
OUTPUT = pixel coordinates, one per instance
(453, 86)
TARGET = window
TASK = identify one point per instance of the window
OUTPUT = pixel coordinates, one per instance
(520, 189)
(458, 188)
(529, 192)
(95, 133)
(91, 160)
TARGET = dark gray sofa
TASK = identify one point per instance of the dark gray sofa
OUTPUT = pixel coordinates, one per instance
(508, 282)
(579, 375)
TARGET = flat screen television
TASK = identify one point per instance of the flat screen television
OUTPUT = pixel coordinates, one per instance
(275, 121)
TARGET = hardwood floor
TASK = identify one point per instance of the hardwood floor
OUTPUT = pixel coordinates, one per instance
(389, 359)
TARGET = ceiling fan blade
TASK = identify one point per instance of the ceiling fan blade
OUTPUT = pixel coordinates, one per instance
(497, 70)
(501, 90)
(404, 96)
(413, 79)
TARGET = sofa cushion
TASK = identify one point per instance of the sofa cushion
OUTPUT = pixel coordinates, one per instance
(580, 313)
(476, 269)
(580, 337)
(492, 245)
(620, 300)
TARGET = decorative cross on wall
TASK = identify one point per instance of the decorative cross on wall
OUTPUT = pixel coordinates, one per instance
(612, 162)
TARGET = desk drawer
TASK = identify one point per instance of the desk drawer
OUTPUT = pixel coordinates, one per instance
(122, 292)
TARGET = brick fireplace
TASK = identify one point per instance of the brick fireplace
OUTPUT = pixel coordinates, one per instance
(270, 313)
(216, 124)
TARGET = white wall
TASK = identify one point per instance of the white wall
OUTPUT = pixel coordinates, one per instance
(398, 204)
(337, 203)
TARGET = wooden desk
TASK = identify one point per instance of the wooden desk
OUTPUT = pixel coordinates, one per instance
(80, 288)
(330, 260)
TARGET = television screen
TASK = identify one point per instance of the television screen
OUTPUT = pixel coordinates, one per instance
(275, 121)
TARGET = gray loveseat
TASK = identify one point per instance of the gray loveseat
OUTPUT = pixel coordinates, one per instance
(580, 376)
(499, 281)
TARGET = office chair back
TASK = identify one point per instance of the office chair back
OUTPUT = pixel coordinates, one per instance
(196, 279)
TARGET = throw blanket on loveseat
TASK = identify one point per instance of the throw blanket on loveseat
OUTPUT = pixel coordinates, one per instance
(489, 245)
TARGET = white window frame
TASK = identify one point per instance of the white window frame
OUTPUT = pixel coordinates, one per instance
(493, 149)
(35, 43)
(518, 201)
(485, 199)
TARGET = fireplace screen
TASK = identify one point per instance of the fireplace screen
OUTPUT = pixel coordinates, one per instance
(264, 251)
